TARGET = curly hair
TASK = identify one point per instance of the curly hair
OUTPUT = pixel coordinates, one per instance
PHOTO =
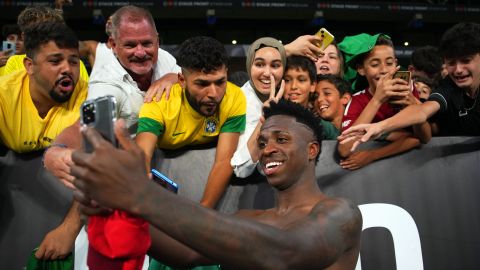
(462, 39)
(302, 63)
(37, 35)
(301, 115)
(37, 14)
(202, 53)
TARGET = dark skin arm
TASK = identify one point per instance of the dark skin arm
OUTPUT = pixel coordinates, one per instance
(332, 227)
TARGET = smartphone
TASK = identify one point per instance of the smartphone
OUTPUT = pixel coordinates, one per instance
(9, 45)
(404, 75)
(164, 181)
(100, 114)
(327, 38)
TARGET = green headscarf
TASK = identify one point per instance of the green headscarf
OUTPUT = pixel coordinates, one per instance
(354, 46)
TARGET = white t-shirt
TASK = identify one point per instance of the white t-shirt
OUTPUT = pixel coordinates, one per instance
(242, 162)
(110, 78)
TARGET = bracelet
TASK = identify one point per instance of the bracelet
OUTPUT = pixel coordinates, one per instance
(61, 145)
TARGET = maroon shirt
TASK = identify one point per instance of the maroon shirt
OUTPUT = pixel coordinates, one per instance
(359, 101)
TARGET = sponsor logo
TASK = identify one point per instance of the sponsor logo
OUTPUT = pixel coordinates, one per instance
(175, 134)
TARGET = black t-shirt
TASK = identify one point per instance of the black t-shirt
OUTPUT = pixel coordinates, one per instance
(459, 115)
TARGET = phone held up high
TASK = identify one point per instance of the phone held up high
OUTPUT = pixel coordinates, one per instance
(164, 181)
(327, 38)
(100, 114)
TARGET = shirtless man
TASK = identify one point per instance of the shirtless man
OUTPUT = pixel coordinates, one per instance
(305, 230)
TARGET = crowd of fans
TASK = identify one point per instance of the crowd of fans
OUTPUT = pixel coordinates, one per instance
(171, 102)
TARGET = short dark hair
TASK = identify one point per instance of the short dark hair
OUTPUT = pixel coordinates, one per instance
(37, 14)
(300, 113)
(340, 84)
(37, 35)
(462, 39)
(202, 53)
(302, 63)
(10, 29)
(428, 60)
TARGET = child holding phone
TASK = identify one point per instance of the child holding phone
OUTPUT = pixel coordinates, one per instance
(374, 59)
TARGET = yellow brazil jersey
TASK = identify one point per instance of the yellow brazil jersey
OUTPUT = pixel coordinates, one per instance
(22, 129)
(15, 62)
(177, 124)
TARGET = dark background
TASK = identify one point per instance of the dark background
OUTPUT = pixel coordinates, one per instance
(419, 23)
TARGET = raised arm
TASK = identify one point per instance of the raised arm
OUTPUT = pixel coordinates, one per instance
(305, 46)
(332, 228)
(411, 115)
(88, 49)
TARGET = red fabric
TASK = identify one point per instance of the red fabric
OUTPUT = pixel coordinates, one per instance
(359, 101)
(117, 236)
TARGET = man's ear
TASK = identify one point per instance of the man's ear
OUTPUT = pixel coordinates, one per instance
(182, 81)
(112, 44)
(313, 150)
(28, 63)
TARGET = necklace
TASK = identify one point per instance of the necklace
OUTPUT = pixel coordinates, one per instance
(465, 111)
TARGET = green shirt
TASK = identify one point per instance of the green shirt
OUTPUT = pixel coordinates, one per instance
(330, 132)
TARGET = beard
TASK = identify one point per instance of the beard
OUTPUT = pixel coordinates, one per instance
(197, 105)
(61, 97)
(58, 97)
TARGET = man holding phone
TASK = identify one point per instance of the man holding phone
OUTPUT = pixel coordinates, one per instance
(306, 229)
(13, 44)
(202, 108)
(453, 108)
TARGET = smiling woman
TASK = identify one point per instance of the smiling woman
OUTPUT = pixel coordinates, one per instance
(266, 60)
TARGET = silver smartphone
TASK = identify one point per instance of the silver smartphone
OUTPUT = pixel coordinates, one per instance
(100, 114)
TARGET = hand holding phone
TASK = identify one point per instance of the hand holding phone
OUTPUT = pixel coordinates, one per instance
(100, 114)
(327, 38)
(9, 46)
(164, 181)
(404, 75)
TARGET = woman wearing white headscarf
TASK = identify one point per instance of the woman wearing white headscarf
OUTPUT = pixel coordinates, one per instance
(266, 59)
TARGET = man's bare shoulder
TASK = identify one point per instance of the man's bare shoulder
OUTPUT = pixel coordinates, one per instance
(337, 208)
